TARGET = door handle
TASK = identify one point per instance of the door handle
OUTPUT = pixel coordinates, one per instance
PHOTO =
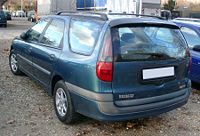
(51, 56)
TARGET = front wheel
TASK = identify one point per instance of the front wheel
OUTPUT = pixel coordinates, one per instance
(63, 104)
(14, 63)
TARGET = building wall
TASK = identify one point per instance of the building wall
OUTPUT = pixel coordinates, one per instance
(46, 7)
(151, 4)
(91, 4)
(152, 1)
(43, 7)
(151, 7)
(53, 6)
(59, 5)
(121, 6)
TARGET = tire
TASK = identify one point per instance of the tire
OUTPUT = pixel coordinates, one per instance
(5, 25)
(63, 104)
(14, 64)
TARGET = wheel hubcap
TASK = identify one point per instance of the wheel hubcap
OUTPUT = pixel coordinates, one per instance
(13, 62)
(61, 102)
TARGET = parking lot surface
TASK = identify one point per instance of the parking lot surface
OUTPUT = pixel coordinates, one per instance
(26, 109)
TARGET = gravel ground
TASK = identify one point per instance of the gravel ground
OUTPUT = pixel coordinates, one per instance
(26, 110)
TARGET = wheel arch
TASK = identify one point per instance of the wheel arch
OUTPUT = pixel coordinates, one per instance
(54, 80)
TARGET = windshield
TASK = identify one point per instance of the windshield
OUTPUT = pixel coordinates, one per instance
(147, 43)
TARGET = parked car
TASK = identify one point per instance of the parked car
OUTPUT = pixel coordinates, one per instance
(8, 15)
(107, 67)
(3, 20)
(191, 32)
(188, 19)
(14, 14)
(20, 13)
(31, 16)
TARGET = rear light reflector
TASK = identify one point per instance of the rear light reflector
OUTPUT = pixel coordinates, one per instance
(104, 71)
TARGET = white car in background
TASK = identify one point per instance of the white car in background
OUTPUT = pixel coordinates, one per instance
(20, 13)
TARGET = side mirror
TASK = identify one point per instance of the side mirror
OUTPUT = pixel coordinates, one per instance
(24, 36)
(196, 48)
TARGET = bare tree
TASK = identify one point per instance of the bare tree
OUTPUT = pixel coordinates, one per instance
(170, 5)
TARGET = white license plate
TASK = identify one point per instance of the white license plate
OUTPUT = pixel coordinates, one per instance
(157, 73)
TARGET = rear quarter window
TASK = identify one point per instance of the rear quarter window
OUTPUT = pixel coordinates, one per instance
(83, 36)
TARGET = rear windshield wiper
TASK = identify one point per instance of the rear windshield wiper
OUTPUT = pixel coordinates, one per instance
(151, 55)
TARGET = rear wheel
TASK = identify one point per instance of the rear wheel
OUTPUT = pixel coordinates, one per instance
(5, 25)
(14, 63)
(63, 104)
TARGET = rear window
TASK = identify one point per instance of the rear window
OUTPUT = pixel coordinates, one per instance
(147, 43)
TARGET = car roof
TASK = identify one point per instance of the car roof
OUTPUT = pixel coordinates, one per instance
(115, 19)
(138, 20)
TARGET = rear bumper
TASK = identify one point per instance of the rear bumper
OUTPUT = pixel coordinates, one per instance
(102, 107)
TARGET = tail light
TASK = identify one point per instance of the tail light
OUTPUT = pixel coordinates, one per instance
(104, 67)
(104, 71)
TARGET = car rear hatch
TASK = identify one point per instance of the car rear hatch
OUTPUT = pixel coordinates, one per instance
(148, 61)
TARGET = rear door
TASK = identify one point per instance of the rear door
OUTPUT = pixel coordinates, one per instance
(46, 53)
(148, 61)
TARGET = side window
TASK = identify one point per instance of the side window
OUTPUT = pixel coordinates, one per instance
(191, 36)
(54, 33)
(35, 32)
(83, 35)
